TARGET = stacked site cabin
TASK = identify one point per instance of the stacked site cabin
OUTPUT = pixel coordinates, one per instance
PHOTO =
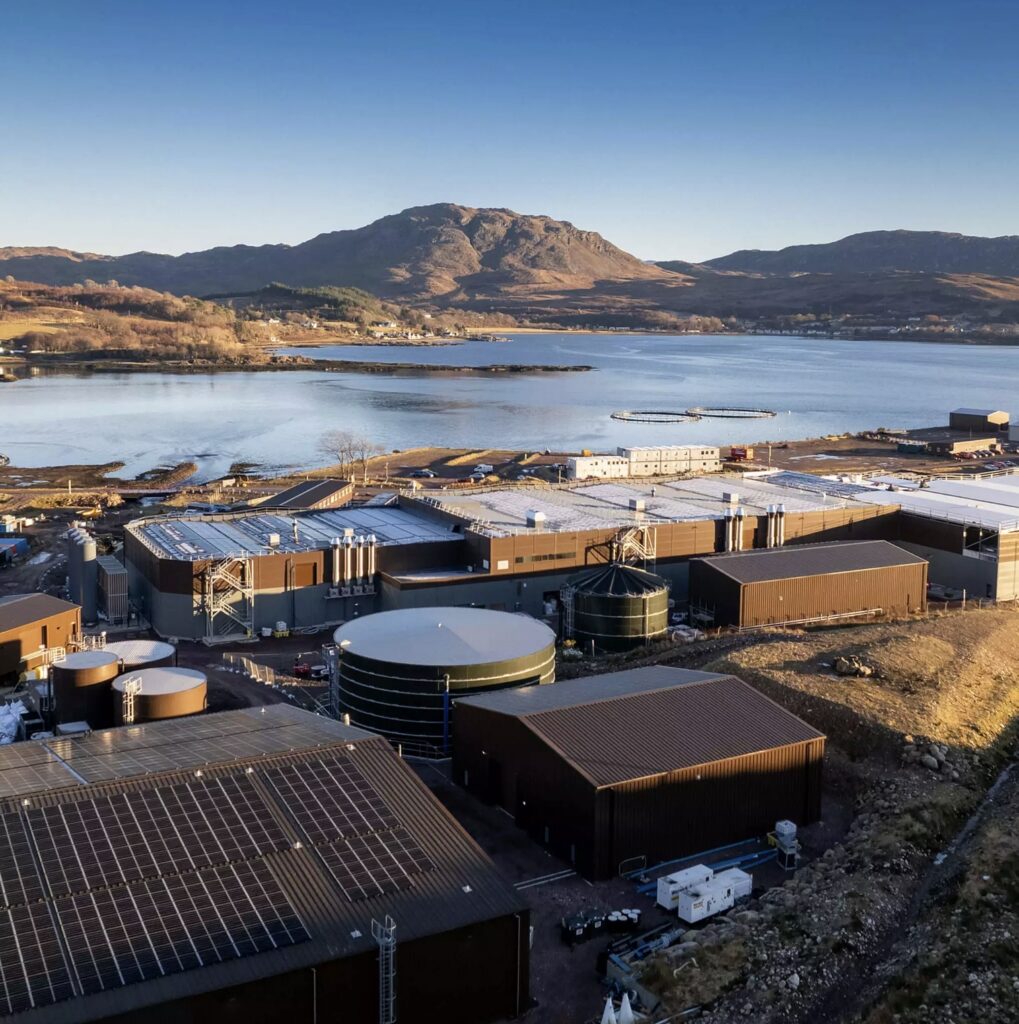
(615, 608)
(807, 583)
(228, 870)
(30, 623)
(654, 763)
(400, 671)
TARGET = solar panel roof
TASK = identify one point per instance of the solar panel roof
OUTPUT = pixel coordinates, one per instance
(194, 538)
(203, 862)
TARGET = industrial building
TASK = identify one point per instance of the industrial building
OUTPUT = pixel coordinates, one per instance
(656, 460)
(399, 671)
(614, 608)
(499, 548)
(807, 583)
(644, 766)
(30, 623)
(111, 579)
(247, 866)
(987, 421)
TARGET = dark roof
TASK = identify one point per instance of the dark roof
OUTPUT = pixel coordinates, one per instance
(810, 560)
(309, 494)
(648, 721)
(24, 609)
(616, 580)
(455, 884)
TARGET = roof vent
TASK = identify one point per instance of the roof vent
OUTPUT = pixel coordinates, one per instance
(535, 519)
(730, 498)
(637, 505)
(274, 540)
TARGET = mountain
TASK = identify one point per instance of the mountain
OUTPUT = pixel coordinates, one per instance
(928, 252)
(424, 253)
(540, 270)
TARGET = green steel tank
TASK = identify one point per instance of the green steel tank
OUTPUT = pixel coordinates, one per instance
(618, 607)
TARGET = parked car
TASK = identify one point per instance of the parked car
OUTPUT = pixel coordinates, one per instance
(424, 474)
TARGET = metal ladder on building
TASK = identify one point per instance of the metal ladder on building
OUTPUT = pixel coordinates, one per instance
(566, 596)
(636, 543)
(132, 687)
(384, 933)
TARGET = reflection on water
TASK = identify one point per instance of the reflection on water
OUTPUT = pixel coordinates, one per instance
(818, 386)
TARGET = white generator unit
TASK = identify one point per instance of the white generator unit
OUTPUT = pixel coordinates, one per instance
(670, 886)
(705, 900)
(741, 882)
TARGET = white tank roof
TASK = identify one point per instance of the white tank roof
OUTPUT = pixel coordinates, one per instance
(136, 652)
(163, 680)
(444, 636)
(86, 659)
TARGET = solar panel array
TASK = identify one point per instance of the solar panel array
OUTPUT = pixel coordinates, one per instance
(105, 887)
(194, 539)
(353, 829)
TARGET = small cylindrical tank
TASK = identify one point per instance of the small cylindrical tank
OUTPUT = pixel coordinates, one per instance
(81, 687)
(138, 654)
(164, 692)
(618, 607)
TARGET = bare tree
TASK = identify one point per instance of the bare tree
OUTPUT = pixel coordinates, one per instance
(364, 450)
(338, 445)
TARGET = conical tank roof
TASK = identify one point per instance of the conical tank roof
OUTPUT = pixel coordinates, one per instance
(618, 580)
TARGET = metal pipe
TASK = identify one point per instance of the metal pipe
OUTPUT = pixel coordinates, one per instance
(360, 560)
(336, 561)
(347, 559)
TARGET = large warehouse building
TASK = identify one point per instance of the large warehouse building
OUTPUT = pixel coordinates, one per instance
(501, 548)
(651, 763)
(807, 583)
(244, 867)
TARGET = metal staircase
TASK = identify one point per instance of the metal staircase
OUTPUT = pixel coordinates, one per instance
(227, 597)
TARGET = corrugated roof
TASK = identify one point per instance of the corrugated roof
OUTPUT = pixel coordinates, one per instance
(649, 721)
(23, 609)
(460, 886)
(616, 580)
(307, 494)
(811, 560)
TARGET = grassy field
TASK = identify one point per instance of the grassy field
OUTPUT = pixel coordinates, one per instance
(15, 328)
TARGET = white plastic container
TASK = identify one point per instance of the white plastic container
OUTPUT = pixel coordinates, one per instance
(670, 886)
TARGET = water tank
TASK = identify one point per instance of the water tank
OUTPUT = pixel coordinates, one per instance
(166, 692)
(619, 607)
(81, 687)
(400, 671)
(139, 654)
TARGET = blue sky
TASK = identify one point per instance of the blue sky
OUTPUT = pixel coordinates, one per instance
(676, 129)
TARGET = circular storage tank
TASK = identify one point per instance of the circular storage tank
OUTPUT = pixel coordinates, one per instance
(166, 692)
(619, 607)
(81, 687)
(139, 654)
(396, 667)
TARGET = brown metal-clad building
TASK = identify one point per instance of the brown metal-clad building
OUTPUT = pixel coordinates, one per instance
(314, 880)
(31, 621)
(313, 494)
(993, 420)
(808, 582)
(654, 762)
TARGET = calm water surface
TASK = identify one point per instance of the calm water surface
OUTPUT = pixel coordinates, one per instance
(818, 386)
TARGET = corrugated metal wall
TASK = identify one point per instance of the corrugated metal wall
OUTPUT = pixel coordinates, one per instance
(668, 816)
(897, 590)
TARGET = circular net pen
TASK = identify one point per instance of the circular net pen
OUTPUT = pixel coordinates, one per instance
(401, 671)
(730, 413)
(654, 416)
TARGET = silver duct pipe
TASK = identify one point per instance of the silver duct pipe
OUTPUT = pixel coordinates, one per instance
(359, 575)
(348, 573)
(738, 528)
(779, 525)
(336, 544)
(372, 543)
